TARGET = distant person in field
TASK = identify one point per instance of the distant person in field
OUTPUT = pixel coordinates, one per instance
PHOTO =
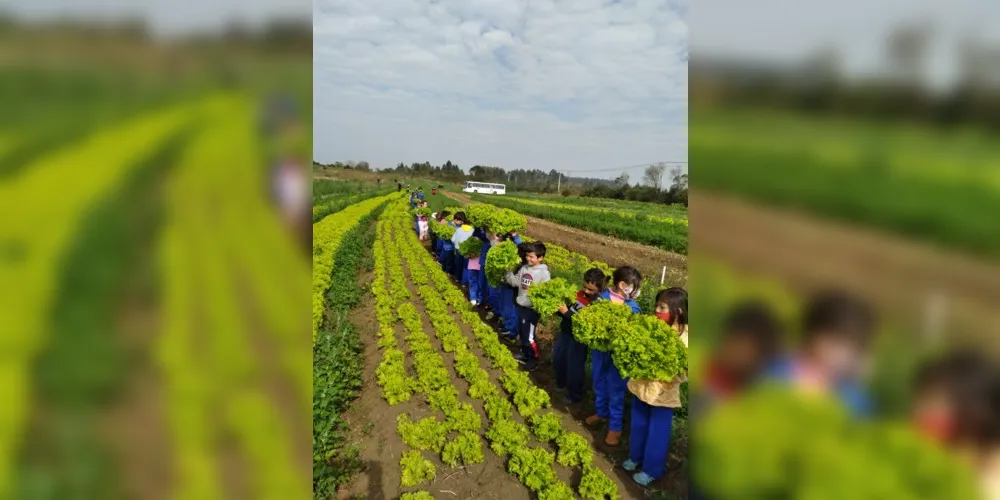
(838, 329)
(570, 357)
(609, 385)
(447, 256)
(749, 340)
(399, 186)
(534, 272)
(654, 401)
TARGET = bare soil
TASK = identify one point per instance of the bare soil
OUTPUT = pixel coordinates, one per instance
(615, 252)
(901, 276)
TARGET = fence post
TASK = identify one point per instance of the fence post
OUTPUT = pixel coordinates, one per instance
(663, 275)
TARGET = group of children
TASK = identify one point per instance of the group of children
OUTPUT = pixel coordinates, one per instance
(956, 395)
(653, 402)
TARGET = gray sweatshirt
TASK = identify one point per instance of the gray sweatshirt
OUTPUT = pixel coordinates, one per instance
(525, 277)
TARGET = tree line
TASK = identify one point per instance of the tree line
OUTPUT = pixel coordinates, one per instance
(658, 183)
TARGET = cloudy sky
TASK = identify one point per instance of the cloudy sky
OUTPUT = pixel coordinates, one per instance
(582, 86)
(787, 30)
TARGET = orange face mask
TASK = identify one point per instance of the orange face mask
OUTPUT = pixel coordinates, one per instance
(665, 316)
(938, 426)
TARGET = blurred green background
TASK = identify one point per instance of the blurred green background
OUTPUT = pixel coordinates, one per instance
(827, 152)
(152, 343)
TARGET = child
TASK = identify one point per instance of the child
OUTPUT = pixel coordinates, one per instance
(463, 231)
(654, 400)
(609, 386)
(534, 271)
(749, 341)
(447, 256)
(957, 404)
(570, 356)
(837, 334)
(505, 298)
(508, 296)
(422, 227)
(437, 243)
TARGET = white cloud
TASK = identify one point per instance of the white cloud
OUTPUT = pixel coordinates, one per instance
(575, 86)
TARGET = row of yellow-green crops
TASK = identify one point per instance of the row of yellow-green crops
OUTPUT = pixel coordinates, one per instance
(326, 239)
(45, 205)
(216, 387)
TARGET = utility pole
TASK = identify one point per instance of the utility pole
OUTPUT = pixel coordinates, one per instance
(559, 184)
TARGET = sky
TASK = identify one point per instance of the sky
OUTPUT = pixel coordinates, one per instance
(582, 86)
(787, 30)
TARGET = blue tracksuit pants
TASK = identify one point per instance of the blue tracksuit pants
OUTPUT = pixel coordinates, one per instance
(609, 389)
(650, 437)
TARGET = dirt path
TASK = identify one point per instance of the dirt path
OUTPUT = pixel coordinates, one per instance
(903, 277)
(613, 251)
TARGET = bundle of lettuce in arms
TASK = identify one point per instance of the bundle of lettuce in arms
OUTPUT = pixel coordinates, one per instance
(597, 324)
(547, 297)
(479, 214)
(422, 211)
(745, 449)
(648, 349)
(500, 259)
(470, 248)
(442, 230)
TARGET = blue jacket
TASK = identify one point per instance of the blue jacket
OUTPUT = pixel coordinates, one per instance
(606, 295)
(850, 392)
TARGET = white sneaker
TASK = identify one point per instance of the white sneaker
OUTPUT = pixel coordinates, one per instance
(475, 303)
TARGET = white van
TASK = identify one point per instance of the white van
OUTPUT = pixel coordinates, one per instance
(484, 188)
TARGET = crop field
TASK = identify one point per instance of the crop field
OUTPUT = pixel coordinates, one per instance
(930, 185)
(438, 405)
(657, 209)
(153, 345)
(663, 232)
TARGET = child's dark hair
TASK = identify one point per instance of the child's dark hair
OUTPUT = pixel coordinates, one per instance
(536, 247)
(756, 321)
(443, 215)
(597, 277)
(460, 217)
(628, 274)
(972, 381)
(676, 299)
(840, 314)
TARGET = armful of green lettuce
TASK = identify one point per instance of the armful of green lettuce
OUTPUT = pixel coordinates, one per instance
(547, 297)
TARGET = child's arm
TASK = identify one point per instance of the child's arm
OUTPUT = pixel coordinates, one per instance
(512, 279)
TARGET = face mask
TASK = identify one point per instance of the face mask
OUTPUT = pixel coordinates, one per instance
(665, 316)
(636, 294)
(627, 291)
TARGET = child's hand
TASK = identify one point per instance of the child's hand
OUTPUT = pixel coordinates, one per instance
(563, 309)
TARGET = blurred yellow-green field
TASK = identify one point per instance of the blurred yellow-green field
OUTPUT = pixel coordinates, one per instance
(154, 346)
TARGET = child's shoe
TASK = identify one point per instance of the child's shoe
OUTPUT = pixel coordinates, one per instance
(531, 365)
(595, 420)
(474, 303)
(643, 479)
(629, 465)
(614, 438)
(521, 358)
(512, 339)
